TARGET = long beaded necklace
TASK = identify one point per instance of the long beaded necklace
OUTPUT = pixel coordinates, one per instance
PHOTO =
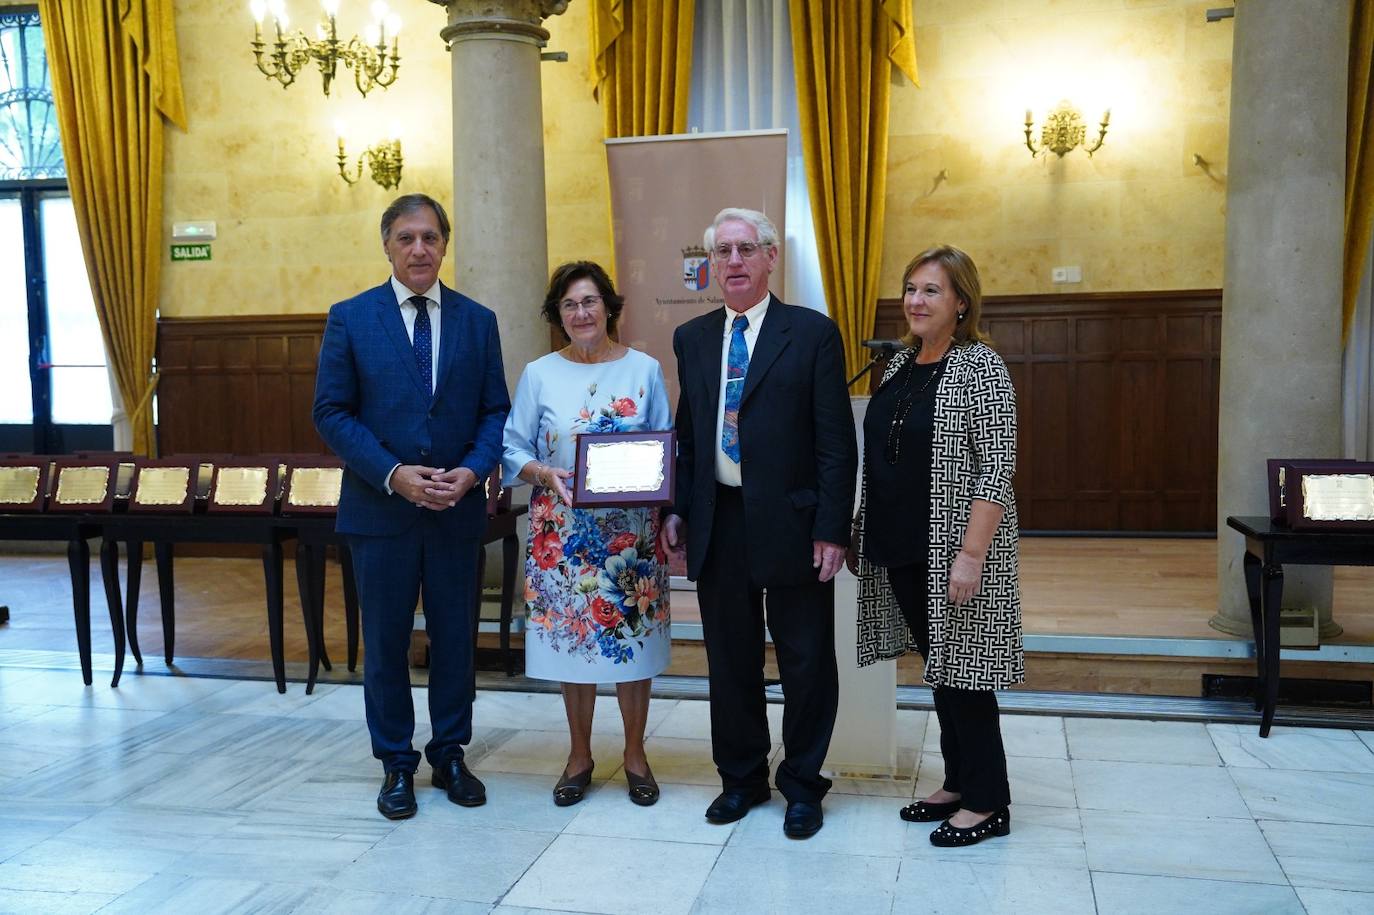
(892, 451)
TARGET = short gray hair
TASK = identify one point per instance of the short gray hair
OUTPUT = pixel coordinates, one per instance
(767, 232)
(409, 203)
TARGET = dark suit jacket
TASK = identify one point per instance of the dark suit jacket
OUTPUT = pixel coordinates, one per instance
(372, 410)
(798, 455)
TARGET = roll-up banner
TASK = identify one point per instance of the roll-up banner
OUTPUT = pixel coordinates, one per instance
(664, 193)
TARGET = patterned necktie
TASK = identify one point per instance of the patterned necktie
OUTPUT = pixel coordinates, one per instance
(736, 368)
(424, 341)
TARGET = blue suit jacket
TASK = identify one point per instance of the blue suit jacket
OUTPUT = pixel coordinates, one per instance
(372, 410)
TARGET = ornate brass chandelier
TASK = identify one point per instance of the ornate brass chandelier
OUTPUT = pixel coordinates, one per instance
(383, 162)
(372, 63)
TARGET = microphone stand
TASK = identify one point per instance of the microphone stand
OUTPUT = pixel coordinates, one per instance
(864, 371)
(881, 348)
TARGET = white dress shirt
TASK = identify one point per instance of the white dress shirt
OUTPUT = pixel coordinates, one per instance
(727, 471)
(408, 314)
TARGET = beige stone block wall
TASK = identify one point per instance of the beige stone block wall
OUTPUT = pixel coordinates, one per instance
(1139, 215)
(260, 160)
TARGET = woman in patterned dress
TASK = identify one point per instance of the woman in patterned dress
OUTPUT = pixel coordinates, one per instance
(936, 537)
(596, 592)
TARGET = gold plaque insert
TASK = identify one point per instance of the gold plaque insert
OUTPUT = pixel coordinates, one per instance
(19, 485)
(82, 485)
(315, 486)
(1338, 497)
(240, 485)
(162, 485)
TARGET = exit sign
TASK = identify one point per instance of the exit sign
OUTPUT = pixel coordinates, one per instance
(190, 252)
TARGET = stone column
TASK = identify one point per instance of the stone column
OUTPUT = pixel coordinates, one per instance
(1281, 324)
(500, 243)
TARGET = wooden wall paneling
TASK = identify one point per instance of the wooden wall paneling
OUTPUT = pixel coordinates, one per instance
(1117, 396)
(239, 385)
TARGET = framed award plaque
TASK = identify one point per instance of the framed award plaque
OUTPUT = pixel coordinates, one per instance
(23, 483)
(313, 487)
(83, 486)
(1329, 495)
(167, 486)
(1277, 474)
(624, 469)
(244, 487)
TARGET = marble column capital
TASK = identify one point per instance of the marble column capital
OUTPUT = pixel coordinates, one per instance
(514, 20)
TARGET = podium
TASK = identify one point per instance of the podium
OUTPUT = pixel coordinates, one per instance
(865, 738)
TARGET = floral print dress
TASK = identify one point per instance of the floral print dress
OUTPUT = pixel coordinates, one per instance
(596, 590)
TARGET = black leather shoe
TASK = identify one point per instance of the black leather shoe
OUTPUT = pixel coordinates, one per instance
(927, 812)
(803, 820)
(998, 823)
(397, 798)
(464, 788)
(730, 806)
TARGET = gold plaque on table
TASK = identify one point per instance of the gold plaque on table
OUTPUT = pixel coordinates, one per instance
(315, 487)
(83, 486)
(1338, 497)
(19, 485)
(240, 487)
(163, 486)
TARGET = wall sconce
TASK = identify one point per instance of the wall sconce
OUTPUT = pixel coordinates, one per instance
(383, 162)
(372, 64)
(1064, 131)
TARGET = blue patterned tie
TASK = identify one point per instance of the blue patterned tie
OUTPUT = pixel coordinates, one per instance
(424, 342)
(736, 368)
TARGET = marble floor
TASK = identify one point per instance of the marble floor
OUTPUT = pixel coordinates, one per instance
(175, 794)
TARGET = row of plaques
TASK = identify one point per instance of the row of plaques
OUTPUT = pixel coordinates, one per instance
(171, 486)
(1321, 495)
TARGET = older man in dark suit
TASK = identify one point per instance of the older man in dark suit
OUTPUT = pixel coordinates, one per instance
(765, 487)
(411, 394)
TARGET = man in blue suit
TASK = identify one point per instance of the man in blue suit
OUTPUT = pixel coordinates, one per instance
(412, 395)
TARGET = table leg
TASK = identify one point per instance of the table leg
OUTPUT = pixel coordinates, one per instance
(79, 564)
(109, 576)
(1252, 591)
(477, 609)
(510, 555)
(166, 590)
(350, 589)
(133, 560)
(272, 574)
(318, 562)
(1272, 601)
(305, 583)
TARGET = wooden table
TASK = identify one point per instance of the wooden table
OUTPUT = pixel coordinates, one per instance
(75, 530)
(1268, 548)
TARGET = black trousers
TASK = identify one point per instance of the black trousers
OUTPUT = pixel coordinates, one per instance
(802, 622)
(970, 735)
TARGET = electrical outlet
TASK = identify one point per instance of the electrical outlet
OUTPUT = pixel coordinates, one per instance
(1059, 275)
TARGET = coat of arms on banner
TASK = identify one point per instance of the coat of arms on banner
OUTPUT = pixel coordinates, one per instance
(696, 268)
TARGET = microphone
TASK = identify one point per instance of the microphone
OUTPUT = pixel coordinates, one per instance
(886, 347)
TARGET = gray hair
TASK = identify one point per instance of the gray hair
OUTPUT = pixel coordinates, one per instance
(767, 232)
(409, 203)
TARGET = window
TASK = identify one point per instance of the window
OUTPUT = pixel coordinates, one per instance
(54, 386)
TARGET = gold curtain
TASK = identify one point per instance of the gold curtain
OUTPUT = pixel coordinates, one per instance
(642, 64)
(843, 63)
(115, 77)
(1359, 158)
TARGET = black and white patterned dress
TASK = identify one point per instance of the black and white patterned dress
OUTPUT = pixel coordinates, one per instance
(978, 645)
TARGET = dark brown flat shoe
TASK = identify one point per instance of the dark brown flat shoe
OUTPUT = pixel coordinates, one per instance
(643, 788)
(571, 788)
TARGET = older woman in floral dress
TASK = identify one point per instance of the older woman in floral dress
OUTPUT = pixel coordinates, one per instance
(595, 589)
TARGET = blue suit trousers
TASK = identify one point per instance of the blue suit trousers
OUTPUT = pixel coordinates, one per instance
(392, 572)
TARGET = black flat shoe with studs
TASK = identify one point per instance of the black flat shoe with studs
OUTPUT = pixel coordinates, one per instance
(998, 823)
(927, 812)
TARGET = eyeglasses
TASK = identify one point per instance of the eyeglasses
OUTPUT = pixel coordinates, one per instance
(746, 249)
(587, 303)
